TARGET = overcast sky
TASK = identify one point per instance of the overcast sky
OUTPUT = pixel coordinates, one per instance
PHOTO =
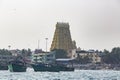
(94, 24)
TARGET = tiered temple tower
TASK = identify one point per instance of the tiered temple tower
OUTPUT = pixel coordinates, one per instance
(62, 38)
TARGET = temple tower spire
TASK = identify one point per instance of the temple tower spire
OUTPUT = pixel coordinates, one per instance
(62, 37)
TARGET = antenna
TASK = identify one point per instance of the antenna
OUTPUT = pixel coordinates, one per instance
(46, 43)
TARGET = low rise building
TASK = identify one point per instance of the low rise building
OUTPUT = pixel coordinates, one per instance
(72, 54)
(94, 56)
(6, 58)
(43, 57)
(15, 52)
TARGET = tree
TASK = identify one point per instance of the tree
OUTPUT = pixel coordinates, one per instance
(29, 52)
(24, 52)
(116, 50)
(5, 52)
(112, 57)
(82, 60)
(106, 51)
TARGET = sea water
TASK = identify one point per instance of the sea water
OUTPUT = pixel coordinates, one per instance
(76, 75)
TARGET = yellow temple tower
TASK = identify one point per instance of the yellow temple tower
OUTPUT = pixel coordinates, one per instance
(62, 38)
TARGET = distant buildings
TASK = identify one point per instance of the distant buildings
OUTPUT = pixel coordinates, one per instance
(26, 54)
(91, 54)
(5, 56)
(15, 52)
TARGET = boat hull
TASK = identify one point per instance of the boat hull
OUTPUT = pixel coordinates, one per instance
(16, 68)
(3, 67)
(50, 68)
(44, 68)
(66, 69)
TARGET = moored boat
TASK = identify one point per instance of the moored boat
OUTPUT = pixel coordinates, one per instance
(17, 65)
(50, 67)
(3, 67)
(44, 67)
(45, 61)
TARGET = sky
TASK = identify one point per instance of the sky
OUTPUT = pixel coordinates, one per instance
(94, 24)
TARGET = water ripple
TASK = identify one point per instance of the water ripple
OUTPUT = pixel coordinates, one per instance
(76, 75)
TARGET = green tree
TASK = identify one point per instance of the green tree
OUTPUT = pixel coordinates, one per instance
(106, 51)
(82, 60)
(29, 52)
(112, 57)
(5, 52)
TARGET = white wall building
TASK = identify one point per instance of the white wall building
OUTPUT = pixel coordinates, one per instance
(43, 57)
(95, 58)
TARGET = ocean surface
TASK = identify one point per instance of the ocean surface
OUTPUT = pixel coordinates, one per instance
(76, 75)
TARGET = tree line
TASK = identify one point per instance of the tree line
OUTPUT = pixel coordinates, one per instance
(111, 57)
(108, 57)
(23, 52)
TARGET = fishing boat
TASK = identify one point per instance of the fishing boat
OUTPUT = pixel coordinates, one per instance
(46, 62)
(45, 67)
(17, 65)
(3, 67)
(50, 67)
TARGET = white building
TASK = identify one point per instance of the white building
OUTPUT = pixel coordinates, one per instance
(72, 54)
(43, 57)
(95, 58)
